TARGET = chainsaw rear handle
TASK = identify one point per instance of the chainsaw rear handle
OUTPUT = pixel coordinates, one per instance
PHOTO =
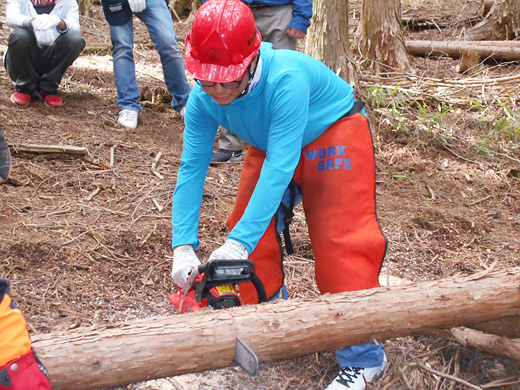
(220, 272)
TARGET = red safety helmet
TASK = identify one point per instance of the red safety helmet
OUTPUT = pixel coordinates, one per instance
(222, 42)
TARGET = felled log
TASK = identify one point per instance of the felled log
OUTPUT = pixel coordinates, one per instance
(497, 50)
(34, 148)
(180, 344)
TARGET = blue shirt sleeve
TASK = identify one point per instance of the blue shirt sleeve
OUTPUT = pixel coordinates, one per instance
(302, 15)
(199, 137)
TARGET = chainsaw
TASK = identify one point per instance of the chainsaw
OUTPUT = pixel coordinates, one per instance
(214, 284)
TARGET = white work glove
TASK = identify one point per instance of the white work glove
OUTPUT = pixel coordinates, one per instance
(231, 250)
(45, 22)
(184, 260)
(137, 5)
(44, 37)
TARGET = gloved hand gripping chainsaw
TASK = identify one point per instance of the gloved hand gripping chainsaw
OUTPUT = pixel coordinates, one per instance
(214, 284)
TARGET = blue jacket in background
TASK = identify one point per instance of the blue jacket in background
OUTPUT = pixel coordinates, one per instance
(302, 12)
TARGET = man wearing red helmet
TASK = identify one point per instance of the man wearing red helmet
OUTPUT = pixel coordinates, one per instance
(309, 141)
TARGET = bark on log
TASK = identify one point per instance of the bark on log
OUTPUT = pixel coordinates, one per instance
(34, 148)
(168, 346)
(498, 50)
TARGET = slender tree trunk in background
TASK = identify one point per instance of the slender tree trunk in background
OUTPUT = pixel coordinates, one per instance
(328, 38)
(84, 7)
(382, 40)
(502, 22)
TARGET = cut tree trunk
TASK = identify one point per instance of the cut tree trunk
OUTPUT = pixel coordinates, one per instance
(169, 346)
(328, 37)
(382, 41)
(502, 22)
(497, 50)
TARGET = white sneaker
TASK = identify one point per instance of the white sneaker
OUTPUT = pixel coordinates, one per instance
(128, 118)
(355, 378)
(183, 112)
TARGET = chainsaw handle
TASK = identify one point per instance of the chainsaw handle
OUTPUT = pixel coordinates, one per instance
(260, 289)
(248, 274)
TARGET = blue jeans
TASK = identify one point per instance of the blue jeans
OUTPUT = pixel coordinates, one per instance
(159, 23)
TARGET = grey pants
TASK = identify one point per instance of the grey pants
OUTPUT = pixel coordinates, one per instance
(30, 66)
(272, 23)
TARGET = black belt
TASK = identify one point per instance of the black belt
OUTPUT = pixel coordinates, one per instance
(357, 107)
(257, 6)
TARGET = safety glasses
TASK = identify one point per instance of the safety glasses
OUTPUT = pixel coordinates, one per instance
(230, 85)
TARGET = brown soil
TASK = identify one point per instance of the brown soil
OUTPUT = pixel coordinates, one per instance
(448, 197)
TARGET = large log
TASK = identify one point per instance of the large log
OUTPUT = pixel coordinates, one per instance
(498, 50)
(180, 344)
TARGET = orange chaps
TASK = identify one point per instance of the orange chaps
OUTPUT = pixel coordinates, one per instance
(336, 175)
(14, 338)
(20, 368)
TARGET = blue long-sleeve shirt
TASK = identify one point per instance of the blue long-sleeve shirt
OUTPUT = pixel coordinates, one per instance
(296, 99)
(302, 12)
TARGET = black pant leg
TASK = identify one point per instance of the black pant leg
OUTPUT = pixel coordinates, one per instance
(57, 58)
(21, 58)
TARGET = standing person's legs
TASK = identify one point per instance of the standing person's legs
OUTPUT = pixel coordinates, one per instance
(272, 22)
(157, 18)
(124, 67)
(229, 147)
(56, 59)
(20, 59)
(349, 250)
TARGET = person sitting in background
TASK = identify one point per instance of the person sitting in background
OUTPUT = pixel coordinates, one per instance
(20, 368)
(45, 40)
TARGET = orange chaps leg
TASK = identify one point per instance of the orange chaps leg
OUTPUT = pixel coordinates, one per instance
(336, 175)
(20, 368)
(14, 338)
(268, 253)
(337, 178)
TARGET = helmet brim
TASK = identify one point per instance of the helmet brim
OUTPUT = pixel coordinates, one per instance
(218, 73)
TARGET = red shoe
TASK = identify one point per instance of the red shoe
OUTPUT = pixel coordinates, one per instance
(23, 99)
(53, 100)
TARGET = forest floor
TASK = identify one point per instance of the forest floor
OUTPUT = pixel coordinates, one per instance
(85, 240)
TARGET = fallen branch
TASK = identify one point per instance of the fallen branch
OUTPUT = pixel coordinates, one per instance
(498, 50)
(169, 346)
(34, 148)
(487, 343)
(93, 193)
